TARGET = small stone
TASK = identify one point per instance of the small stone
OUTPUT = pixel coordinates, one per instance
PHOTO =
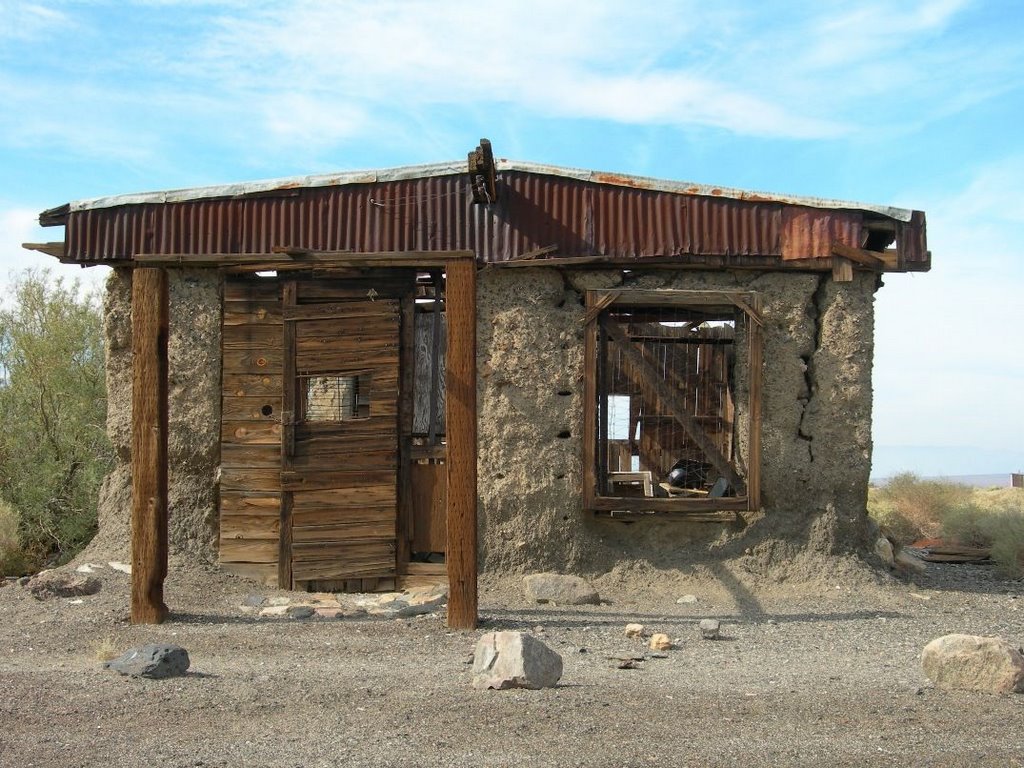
(973, 663)
(883, 548)
(687, 600)
(709, 628)
(152, 661)
(119, 566)
(328, 613)
(560, 589)
(255, 601)
(409, 610)
(906, 561)
(660, 642)
(279, 600)
(514, 660)
(301, 611)
(273, 612)
(634, 630)
(49, 584)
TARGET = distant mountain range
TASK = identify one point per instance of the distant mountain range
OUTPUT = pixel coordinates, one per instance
(1001, 480)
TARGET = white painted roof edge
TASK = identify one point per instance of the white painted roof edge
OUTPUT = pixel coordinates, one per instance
(459, 167)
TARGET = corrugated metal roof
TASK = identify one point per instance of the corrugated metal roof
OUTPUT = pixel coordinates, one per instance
(568, 213)
(457, 168)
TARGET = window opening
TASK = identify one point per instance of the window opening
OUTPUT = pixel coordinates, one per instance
(336, 397)
(672, 374)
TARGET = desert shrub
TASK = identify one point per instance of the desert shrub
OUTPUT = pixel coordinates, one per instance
(909, 508)
(53, 446)
(12, 557)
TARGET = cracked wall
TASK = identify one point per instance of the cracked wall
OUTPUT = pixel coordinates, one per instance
(816, 432)
(193, 348)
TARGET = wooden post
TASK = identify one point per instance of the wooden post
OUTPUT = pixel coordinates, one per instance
(289, 417)
(460, 382)
(149, 445)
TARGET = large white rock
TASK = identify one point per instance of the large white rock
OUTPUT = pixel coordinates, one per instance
(973, 663)
(514, 660)
(560, 589)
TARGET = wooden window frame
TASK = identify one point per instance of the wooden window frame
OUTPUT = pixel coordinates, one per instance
(597, 302)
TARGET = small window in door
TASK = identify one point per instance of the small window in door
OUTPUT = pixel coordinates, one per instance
(330, 397)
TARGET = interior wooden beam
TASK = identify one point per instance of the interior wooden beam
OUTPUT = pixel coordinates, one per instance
(149, 445)
(590, 402)
(755, 378)
(460, 414)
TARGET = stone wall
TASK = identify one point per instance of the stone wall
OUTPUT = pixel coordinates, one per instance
(194, 413)
(816, 435)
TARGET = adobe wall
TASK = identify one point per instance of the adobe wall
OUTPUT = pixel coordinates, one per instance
(816, 435)
(194, 298)
(816, 439)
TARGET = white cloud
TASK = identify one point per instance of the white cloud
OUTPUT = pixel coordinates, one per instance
(29, 21)
(304, 77)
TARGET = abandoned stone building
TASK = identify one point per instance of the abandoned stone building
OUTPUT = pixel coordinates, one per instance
(349, 381)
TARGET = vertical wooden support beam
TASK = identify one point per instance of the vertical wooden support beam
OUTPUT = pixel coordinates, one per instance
(460, 381)
(149, 445)
(406, 406)
(291, 403)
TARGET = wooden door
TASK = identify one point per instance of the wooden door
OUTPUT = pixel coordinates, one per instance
(339, 444)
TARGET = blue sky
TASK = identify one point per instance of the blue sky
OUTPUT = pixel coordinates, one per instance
(918, 104)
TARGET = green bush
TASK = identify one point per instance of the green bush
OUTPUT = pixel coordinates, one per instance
(12, 556)
(910, 509)
(53, 446)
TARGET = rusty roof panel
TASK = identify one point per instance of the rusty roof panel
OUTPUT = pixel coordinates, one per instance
(578, 216)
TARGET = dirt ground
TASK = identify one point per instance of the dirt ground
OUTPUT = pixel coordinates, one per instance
(813, 674)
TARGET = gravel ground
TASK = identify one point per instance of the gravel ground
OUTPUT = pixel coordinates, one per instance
(815, 675)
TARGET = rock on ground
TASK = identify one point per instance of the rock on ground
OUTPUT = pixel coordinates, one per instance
(514, 660)
(974, 663)
(560, 589)
(634, 630)
(60, 584)
(883, 548)
(709, 628)
(154, 661)
(660, 642)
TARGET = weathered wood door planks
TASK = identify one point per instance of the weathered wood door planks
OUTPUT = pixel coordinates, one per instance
(340, 452)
